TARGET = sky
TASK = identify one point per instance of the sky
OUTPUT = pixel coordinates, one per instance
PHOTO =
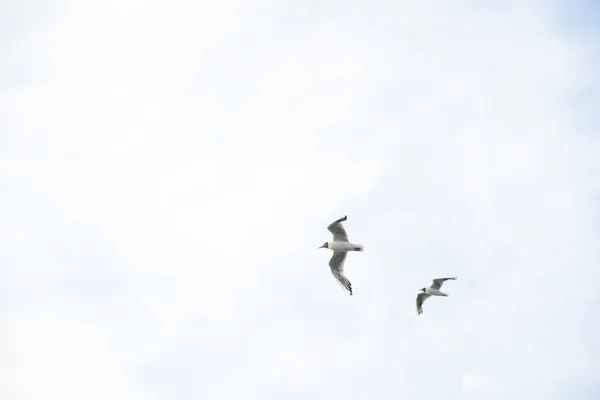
(168, 170)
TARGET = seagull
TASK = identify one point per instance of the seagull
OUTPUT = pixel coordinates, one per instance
(433, 290)
(340, 247)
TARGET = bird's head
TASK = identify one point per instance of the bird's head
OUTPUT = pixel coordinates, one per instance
(423, 290)
(325, 245)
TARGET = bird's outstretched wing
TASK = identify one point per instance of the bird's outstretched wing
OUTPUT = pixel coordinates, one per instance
(437, 283)
(338, 231)
(421, 297)
(337, 269)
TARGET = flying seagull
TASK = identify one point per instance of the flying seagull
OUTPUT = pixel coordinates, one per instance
(433, 290)
(340, 247)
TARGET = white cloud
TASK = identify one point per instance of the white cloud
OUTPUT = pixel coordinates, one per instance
(58, 359)
(478, 386)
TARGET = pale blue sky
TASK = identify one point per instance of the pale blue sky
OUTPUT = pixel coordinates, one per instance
(168, 170)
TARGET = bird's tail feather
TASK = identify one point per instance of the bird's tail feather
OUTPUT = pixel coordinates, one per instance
(358, 247)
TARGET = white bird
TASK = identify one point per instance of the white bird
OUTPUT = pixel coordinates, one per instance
(433, 290)
(340, 247)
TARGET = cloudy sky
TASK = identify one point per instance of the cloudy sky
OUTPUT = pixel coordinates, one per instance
(169, 168)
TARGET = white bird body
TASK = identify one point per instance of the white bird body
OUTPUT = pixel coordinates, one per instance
(340, 245)
(434, 292)
(343, 246)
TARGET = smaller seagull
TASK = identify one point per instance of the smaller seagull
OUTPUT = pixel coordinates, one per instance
(433, 290)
